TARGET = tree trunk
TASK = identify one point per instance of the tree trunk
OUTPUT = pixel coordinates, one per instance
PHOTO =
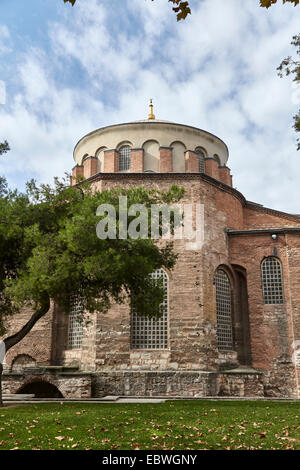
(17, 337)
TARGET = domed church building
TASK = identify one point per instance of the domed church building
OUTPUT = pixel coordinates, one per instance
(231, 312)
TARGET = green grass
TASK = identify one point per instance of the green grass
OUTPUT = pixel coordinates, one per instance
(171, 425)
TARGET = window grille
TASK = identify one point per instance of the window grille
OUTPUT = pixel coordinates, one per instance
(201, 157)
(272, 281)
(124, 158)
(224, 314)
(75, 322)
(151, 333)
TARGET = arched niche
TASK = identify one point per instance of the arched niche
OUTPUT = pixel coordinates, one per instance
(124, 143)
(178, 157)
(151, 155)
(100, 155)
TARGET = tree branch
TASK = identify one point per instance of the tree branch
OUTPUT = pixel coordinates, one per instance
(17, 337)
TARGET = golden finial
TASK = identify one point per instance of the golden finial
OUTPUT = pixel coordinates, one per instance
(151, 115)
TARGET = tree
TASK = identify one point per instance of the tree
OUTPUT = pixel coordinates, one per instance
(182, 8)
(269, 3)
(49, 250)
(290, 66)
(4, 147)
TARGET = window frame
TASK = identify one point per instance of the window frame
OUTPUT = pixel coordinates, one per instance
(201, 159)
(76, 309)
(219, 313)
(127, 159)
(135, 344)
(268, 284)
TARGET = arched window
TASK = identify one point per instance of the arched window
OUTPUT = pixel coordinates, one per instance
(75, 322)
(151, 333)
(216, 157)
(124, 158)
(201, 157)
(272, 280)
(224, 311)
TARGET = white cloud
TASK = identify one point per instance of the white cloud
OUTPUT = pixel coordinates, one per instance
(5, 39)
(216, 70)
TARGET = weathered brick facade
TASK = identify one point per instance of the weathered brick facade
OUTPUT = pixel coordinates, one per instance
(238, 236)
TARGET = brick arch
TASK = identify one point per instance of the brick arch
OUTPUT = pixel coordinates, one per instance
(123, 144)
(100, 156)
(20, 361)
(83, 158)
(217, 158)
(229, 271)
(201, 149)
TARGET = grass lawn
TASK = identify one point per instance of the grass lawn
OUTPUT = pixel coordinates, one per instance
(172, 425)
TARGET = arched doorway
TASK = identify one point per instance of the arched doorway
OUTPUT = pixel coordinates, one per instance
(242, 324)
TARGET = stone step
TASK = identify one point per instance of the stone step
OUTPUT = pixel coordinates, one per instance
(18, 396)
(110, 398)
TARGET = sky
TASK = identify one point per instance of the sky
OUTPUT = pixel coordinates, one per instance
(65, 71)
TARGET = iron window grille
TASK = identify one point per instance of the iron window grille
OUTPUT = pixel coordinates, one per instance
(272, 281)
(151, 333)
(124, 158)
(224, 311)
(75, 333)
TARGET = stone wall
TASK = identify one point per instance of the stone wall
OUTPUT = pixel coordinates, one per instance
(70, 384)
(177, 383)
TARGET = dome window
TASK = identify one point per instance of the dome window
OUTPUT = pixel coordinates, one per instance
(124, 158)
(201, 157)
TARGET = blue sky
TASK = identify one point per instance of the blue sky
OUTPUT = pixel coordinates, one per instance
(68, 70)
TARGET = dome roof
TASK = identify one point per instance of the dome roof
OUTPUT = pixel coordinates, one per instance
(137, 133)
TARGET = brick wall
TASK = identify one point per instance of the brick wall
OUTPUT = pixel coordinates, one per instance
(271, 326)
(165, 160)
(111, 161)
(90, 166)
(274, 329)
(137, 160)
(191, 162)
(212, 168)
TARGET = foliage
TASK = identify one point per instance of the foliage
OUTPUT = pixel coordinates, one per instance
(290, 66)
(180, 425)
(269, 3)
(182, 8)
(4, 147)
(49, 249)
